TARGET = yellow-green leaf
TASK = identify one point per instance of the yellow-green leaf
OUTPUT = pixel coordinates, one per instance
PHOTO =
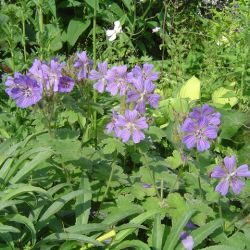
(224, 96)
(191, 89)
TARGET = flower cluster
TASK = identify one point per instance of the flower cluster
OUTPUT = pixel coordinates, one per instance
(200, 127)
(137, 87)
(41, 78)
(230, 176)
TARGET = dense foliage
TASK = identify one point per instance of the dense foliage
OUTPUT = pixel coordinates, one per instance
(125, 124)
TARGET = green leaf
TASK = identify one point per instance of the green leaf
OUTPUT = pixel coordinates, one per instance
(91, 3)
(191, 89)
(75, 29)
(135, 244)
(8, 229)
(174, 161)
(121, 214)
(112, 145)
(29, 166)
(174, 234)
(137, 220)
(20, 189)
(68, 237)
(28, 223)
(219, 247)
(220, 96)
(83, 202)
(157, 233)
(9, 203)
(59, 203)
(203, 232)
(156, 133)
(87, 228)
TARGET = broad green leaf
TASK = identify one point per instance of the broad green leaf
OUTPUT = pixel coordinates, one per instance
(28, 223)
(87, 228)
(9, 203)
(68, 237)
(83, 202)
(134, 244)
(59, 203)
(191, 89)
(92, 3)
(29, 166)
(121, 214)
(8, 229)
(224, 96)
(137, 220)
(157, 233)
(176, 229)
(203, 232)
(75, 29)
(219, 247)
(21, 189)
(112, 145)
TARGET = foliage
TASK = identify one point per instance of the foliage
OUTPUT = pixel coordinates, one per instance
(68, 184)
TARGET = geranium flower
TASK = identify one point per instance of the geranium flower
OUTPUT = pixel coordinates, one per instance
(142, 94)
(117, 80)
(111, 34)
(24, 90)
(131, 125)
(111, 126)
(66, 84)
(198, 134)
(99, 76)
(207, 112)
(84, 64)
(230, 176)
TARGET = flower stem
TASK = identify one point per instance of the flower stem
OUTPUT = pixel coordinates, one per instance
(94, 61)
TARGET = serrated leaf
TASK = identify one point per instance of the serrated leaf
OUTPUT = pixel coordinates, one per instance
(191, 89)
(112, 145)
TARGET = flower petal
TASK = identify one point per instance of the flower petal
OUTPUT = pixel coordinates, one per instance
(137, 136)
(202, 145)
(237, 185)
(131, 115)
(230, 163)
(218, 172)
(125, 135)
(189, 141)
(141, 123)
(211, 132)
(222, 187)
(188, 242)
(243, 171)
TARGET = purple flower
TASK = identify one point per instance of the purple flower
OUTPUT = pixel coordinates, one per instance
(145, 73)
(52, 74)
(146, 185)
(207, 112)
(66, 84)
(24, 90)
(36, 71)
(230, 175)
(117, 80)
(130, 126)
(84, 64)
(99, 76)
(142, 94)
(112, 125)
(187, 240)
(198, 134)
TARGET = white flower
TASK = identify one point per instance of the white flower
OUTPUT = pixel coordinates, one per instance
(111, 34)
(156, 29)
